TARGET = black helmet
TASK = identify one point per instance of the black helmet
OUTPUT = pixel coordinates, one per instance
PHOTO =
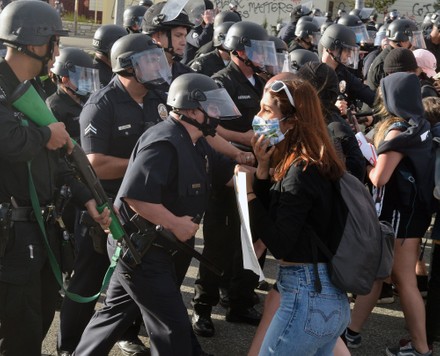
(307, 30)
(324, 26)
(304, 19)
(127, 46)
(401, 30)
(355, 12)
(299, 57)
(30, 23)
(242, 33)
(280, 45)
(220, 32)
(299, 11)
(133, 15)
(146, 3)
(350, 20)
(198, 91)
(355, 24)
(394, 15)
(140, 53)
(105, 36)
(338, 36)
(226, 16)
(78, 66)
(69, 58)
(154, 21)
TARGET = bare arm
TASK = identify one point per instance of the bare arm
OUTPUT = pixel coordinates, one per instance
(183, 227)
(387, 162)
(219, 144)
(240, 137)
(108, 167)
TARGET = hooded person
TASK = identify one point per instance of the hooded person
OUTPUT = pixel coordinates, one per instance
(325, 81)
(405, 173)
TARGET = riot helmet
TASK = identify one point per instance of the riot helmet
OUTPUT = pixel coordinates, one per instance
(308, 32)
(283, 62)
(137, 55)
(154, 21)
(226, 16)
(133, 16)
(105, 36)
(304, 19)
(299, 57)
(33, 23)
(393, 15)
(340, 43)
(299, 11)
(355, 12)
(220, 32)
(316, 12)
(355, 24)
(381, 35)
(198, 91)
(78, 66)
(403, 30)
(253, 39)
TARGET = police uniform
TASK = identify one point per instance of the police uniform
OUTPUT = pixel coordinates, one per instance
(179, 68)
(355, 89)
(245, 96)
(165, 168)
(434, 49)
(66, 110)
(111, 123)
(206, 48)
(28, 289)
(209, 64)
(196, 38)
(376, 71)
(221, 224)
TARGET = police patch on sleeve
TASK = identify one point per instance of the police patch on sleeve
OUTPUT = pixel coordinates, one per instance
(162, 111)
(195, 35)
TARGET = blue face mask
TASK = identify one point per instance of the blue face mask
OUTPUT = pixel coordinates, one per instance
(269, 128)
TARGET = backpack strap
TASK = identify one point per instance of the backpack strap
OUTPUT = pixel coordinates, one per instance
(316, 243)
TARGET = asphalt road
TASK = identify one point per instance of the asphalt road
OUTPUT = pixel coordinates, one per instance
(384, 328)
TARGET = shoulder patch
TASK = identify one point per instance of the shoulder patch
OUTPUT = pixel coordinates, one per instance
(162, 111)
(195, 34)
(219, 83)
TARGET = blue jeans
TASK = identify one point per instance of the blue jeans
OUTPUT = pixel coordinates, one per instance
(307, 322)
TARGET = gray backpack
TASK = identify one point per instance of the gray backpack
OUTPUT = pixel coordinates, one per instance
(365, 250)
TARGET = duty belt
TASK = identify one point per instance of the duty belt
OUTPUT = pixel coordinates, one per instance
(26, 213)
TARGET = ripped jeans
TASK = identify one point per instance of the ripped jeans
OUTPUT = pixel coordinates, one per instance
(306, 323)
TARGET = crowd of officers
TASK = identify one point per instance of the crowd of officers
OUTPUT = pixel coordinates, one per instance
(153, 112)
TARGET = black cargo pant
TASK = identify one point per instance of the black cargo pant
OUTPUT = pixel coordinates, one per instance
(28, 290)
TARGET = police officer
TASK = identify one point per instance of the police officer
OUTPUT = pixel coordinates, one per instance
(221, 227)
(159, 192)
(338, 49)
(433, 41)
(111, 122)
(219, 58)
(76, 79)
(306, 37)
(400, 33)
(132, 18)
(222, 16)
(103, 40)
(29, 291)
(300, 57)
(200, 35)
(146, 3)
(170, 34)
(287, 33)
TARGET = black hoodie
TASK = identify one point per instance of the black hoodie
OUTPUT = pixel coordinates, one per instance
(402, 98)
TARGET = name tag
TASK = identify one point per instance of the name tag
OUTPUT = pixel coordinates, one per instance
(196, 186)
(125, 127)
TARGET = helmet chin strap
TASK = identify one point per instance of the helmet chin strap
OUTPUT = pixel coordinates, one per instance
(336, 59)
(170, 48)
(249, 63)
(208, 127)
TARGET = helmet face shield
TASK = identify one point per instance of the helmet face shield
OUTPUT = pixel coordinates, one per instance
(283, 65)
(361, 34)
(379, 37)
(262, 53)
(350, 56)
(417, 39)
(219, 105)
(151, 67)
(85, 79)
